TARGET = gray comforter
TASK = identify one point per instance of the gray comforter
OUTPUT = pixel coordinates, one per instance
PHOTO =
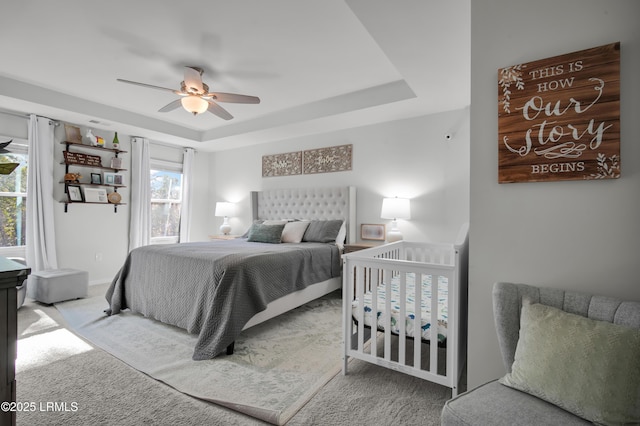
(212, 289)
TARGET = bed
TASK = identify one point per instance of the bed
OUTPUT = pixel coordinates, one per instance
(217, 289)
(404, 308)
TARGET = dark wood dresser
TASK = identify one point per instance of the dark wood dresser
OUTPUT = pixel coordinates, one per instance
(12, 274)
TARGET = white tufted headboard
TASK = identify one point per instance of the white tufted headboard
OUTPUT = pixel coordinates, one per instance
(322, 203)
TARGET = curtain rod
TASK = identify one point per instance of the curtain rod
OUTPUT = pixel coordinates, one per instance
(27, 116)
(165, 144)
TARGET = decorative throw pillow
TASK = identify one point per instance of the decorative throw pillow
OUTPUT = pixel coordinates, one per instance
(246, 234)
(294, 231)
(587, 367)
(322, 231)
(260, 233)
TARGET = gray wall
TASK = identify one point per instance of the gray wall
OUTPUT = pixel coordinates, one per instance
(580, 235)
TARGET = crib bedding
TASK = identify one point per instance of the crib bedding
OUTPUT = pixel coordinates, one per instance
(425, 302)
(213, 289)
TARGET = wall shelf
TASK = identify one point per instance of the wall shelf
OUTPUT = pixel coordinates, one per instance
(113, 151)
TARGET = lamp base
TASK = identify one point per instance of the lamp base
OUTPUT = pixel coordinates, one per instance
(394, 236)
(394, 233)
(225, 228)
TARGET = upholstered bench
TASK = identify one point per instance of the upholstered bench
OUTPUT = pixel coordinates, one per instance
(55, 285)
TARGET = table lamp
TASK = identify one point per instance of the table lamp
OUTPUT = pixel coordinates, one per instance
(226, 210)
(395, 208)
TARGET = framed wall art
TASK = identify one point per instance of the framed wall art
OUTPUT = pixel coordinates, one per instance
(370, 231)
(113, 178)
(286, 164)
(559, 118)
(74, 192)
(72, 134)
(324, 160)
(95, 195)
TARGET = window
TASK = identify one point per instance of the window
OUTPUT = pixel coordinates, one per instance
(166, 202)
(13, 201)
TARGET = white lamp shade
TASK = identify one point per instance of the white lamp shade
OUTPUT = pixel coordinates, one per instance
(194, 104)
(395, 208)
(224, 209)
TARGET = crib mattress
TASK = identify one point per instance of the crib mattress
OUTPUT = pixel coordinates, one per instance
(425, 302)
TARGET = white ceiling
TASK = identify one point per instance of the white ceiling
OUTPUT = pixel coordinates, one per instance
(316, 65)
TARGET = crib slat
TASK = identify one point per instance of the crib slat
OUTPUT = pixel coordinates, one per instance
(402, 319)
(375, 281)
(360, 283)
(387, 316)
(417, 321)
(433, 354)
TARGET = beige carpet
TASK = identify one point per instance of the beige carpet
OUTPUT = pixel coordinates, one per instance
(276, 368)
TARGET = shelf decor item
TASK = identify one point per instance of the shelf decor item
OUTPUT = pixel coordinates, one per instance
(114, 198)
(116, 141)
(116, 163)
(85, 159)
(72, 177)
(95, 195)
(113, 178)
(74, 192)
(72, 134)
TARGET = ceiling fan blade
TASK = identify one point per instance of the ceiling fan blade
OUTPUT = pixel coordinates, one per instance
(216, 109)
(177, 92)
(193, 80)
(171, 106)
(234, 98)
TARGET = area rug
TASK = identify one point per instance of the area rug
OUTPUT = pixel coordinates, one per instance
(276, 368)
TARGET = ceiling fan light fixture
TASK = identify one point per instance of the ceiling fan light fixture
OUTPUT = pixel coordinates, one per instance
(194, 104)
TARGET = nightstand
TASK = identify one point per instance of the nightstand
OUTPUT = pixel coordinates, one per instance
(350, 248)
(223, 237)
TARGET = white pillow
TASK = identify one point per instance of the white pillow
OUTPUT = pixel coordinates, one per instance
(294, 231)
(342, 234)
(275, 222)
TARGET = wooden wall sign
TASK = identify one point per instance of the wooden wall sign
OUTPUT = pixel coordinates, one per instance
(85, 159)
(324, 160)
(282, 164)
(559, 118)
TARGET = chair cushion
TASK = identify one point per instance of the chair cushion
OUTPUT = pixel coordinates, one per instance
(590, 368)
(495, 404)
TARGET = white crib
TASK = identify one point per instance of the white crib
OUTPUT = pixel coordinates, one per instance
(391, 274)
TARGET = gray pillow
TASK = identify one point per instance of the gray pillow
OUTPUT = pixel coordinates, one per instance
(246, 234)
(322, 231)
(260, 233)
(590, 368)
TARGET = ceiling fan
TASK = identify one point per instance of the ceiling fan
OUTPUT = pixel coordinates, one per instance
(195, 96)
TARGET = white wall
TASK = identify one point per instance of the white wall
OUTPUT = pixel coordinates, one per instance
(407, 158)
(580, 235)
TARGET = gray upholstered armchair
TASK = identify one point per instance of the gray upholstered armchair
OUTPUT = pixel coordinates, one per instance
(593, 373)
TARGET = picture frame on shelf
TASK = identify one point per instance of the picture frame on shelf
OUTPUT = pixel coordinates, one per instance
(95, 195)
(371, 231)
(96, 179)
(113, 178)
(74, 192)
(72, 133)
(116, 163)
